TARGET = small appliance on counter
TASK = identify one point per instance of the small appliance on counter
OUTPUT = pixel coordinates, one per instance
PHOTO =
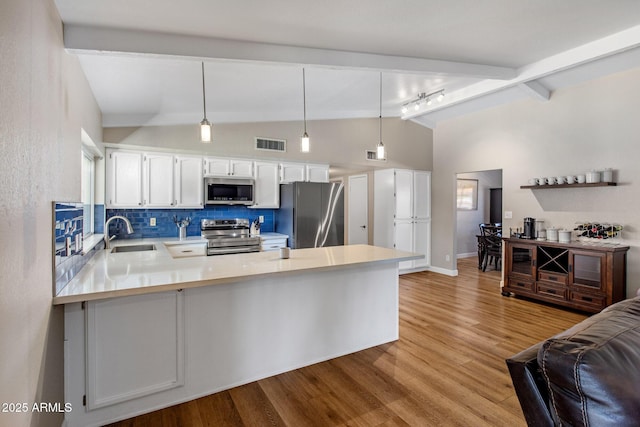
(541, 232)
(529, 228)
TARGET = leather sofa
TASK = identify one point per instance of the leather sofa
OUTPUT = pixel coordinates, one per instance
(588, 375)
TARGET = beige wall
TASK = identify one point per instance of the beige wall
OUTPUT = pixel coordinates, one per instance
(341, 143)
(592, 125)
(44, 101)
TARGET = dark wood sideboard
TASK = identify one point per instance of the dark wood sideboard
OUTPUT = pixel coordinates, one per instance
(581, 275)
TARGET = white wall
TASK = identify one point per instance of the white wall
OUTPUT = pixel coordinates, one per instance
(44, 101)
(341, 143)
(591, 125)
(467, 221)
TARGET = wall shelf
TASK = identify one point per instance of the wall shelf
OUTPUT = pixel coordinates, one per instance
(576, 185)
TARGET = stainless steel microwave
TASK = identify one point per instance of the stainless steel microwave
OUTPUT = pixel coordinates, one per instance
(228, 191)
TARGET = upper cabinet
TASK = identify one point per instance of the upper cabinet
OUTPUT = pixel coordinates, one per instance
(124, 179)
(302, 172)
(149, 179)
(153, 180)
(267, 187)
(158, 180)
(317, 173)
(218, 166)
(292, 172)
(188, 182)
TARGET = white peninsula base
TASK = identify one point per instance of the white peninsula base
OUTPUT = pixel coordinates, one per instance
(134, 354)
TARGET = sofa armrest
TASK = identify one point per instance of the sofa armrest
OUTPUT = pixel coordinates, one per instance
(530, 387)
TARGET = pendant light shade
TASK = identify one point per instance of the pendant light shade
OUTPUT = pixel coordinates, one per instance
(304, 140)
(205, 126)
(380, 152)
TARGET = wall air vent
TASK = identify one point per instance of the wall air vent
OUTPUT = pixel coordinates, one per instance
(373, 155)
(271, 144)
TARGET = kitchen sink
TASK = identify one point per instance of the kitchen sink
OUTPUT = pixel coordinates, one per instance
(133, 248)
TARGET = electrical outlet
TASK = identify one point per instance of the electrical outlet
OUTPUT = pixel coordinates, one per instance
(447, 258)
(261, 219)
(508, 214)
(152, 222)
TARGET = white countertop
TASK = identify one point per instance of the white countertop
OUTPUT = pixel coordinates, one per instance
(109, 275)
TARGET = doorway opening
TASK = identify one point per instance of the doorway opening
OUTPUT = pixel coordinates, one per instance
(479, 196)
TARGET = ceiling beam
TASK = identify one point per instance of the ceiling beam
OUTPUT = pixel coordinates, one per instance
(84, 39)
(536, 90)
(601, 48)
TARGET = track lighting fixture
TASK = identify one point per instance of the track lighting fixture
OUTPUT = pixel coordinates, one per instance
(422, 97)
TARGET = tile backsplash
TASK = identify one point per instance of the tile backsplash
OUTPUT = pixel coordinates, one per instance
(141, 218)
(68, 243)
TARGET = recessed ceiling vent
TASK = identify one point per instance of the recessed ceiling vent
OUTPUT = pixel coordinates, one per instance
(271, 144)
(373, 155)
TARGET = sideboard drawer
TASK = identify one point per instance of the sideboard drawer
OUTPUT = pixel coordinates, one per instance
(548, 276)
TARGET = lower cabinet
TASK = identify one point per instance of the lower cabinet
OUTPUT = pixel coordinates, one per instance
(581, 276)
(134, 347)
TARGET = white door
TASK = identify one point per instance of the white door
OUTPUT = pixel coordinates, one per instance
(358, 218)
(404, 193)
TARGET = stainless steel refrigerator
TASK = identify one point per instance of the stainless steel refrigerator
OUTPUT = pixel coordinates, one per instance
(311, 214)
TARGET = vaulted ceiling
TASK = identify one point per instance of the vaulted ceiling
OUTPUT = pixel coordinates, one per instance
(143, 58)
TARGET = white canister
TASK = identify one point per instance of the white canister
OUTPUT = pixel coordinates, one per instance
(580, 179)
(552, 234)
(285, 253)
(593, 177)
(564, 236)
(607, 175)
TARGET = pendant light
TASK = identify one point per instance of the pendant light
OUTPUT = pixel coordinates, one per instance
(304, 141)
(380, 154)
(205, 126)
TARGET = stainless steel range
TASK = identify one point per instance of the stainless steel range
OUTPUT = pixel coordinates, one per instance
(228, 236)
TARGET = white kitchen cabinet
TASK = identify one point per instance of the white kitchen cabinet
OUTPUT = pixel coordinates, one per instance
(124, 179)
(158, 180)
(220, 166)
(135, 347)
(404, 223)
(137, 179)
(292, 172)
(273, 241)
(302, 172)
(267, 186)
(317, 173)
(188, 182)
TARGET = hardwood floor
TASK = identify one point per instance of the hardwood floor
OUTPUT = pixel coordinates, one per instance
(447, 369)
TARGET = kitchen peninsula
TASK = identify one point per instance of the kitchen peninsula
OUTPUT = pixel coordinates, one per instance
(144, 330)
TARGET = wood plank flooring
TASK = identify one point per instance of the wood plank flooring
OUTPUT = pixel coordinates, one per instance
(447, 368)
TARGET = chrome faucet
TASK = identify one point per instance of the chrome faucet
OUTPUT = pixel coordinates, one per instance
(108, 239)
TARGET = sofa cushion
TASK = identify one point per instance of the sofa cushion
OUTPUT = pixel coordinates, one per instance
(593, 369)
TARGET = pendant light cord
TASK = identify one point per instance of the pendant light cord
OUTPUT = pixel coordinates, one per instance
(204, 98)
(304, 101)
(380, 107)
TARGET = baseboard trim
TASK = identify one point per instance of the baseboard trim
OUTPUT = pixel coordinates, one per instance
(467, 255)
(444, 271)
